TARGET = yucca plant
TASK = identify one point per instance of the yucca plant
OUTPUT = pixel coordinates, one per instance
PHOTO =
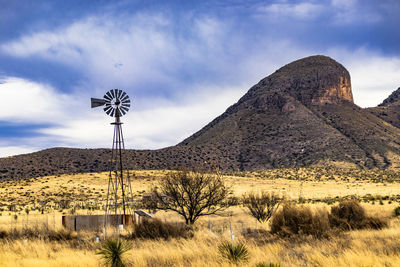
(234, 253)
(113, 251)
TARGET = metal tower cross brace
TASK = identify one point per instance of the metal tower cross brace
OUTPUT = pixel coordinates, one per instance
(119, 194)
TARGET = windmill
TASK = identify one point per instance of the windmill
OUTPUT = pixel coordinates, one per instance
(119, 195)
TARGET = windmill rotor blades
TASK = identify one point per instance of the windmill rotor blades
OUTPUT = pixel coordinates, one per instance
(116, 103)
(108, 109)
(125, 97)
(124, 110)
(108, 96)
(96, 102)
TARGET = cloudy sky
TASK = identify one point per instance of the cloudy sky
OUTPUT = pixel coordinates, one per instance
(181, 62)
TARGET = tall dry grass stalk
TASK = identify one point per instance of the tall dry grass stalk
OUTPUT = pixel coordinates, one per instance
(355, 248)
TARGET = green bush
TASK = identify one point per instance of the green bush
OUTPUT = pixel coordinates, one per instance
(235, 253)
(156, 229)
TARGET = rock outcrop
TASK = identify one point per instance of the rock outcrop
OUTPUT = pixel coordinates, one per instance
(315, 80)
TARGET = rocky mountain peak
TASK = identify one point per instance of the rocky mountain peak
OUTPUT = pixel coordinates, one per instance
(315, 80)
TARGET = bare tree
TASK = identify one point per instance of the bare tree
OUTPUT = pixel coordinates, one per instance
(191, 194)
(262, 205)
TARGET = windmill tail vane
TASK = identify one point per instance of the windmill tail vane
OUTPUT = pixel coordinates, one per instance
(119, 195)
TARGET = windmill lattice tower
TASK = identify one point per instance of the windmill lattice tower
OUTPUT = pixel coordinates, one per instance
(119, 194)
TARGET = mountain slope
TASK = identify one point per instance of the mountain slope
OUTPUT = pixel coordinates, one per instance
(389, 110)
(301, 115)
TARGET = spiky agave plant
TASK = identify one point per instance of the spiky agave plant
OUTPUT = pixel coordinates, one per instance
(113, 251)
(234, 253)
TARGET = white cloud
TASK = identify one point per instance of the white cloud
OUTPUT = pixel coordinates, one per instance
(344, 3)
(153, 128)
(121, 53)
(6, 151)
(352, 11)
(303, 10)
(130, 51)
(74, 124)
(108, 51)
(335, 12)
(27, 101)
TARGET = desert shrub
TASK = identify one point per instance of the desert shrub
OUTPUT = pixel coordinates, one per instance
(349, 214)
(112, 252)
(156, 229)
(396, 211)
(235, 253)
(349, 210)
(3, 234)
(60, 235)
(39, 233)
(261, 206)
(374, 223)
(300, 220)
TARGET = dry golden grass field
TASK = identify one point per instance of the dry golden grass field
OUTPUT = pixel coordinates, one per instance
(40, 202)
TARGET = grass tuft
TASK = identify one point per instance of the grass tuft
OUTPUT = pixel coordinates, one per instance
(265, 264)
